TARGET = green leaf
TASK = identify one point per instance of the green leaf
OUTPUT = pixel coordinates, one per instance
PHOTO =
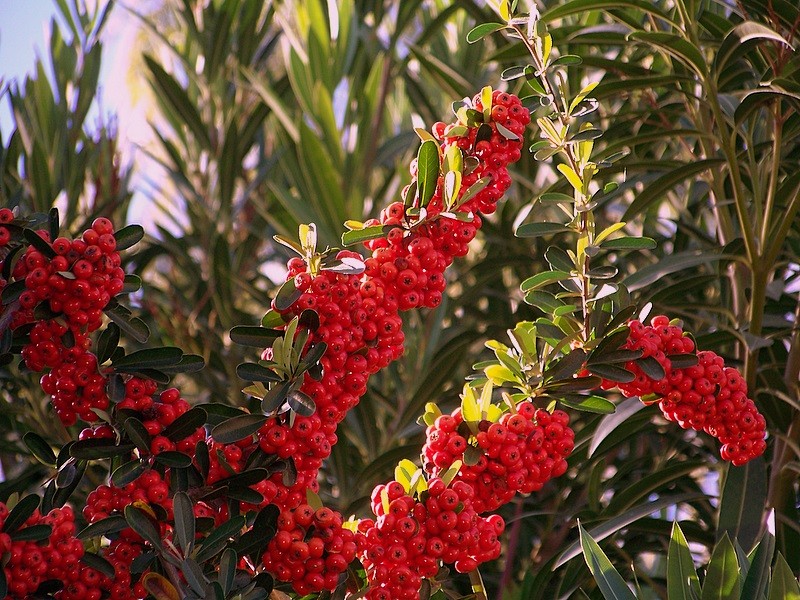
(784, 584)
(740, 39)
(682, 580)
(184, 522)
(254, 336)
(256, 372)
(427, 170)
(722, 577)
(626, 409)
(40, 449)
(654, 190)
(149, 358)
(142, 524)
(186, 424)
(137, 434)
(174, 459)
(608, 579)
(128, 236)
(98, 448)
(128, 472)
(218, 538)
(675, 46)
(103, 527)
(20, 513)
(301, 403)
(98, 563)
(227, 570)
(629, 243)
(592, 404)
(652, 368)
(542, 279)
(286, 296)
(34, 533)
(358, 236)
(107, 343)
(177, 101)
(538, 229)
(237, 428)
(757, 580)
(133, 326)
(482, 30)
(744, 488)
(582, 6)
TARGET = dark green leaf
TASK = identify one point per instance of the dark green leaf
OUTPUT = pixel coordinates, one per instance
(611, 372)
(131, 283)
(40, 449)
(186, 424)
(629, 243)
(566, 61)
(107, 342)
(103, 527)
(184, 522)
(128, 236)
(133, 326)
(218, 538)
(256, 372)
(286, 296)
(142, 524)
(98, 563)
(149, 358)
(128, 472)
(301, 403)
(237, 428)
(744, 487)
(174, 459)
(37, 242)
(542, 279)
(137, 433)
(757, 579)
(98, 448)
(34, 533)
(652, 368)
(276, 396)
(740, 39)
(20, 513)
(682, 361)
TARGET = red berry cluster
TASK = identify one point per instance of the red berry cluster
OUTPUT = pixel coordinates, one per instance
(79, 281)
(311, 549)
(94, 585)
(359, 315)
(75, 284)
(409, 538)
(706, 397)
(520, 453)
(27, 563)
(150, 487)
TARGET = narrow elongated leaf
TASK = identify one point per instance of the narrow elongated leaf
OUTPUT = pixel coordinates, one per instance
(682, 580)
(626, 409)
(98, 448)
(33, 533)
(675, 46)
(184, 522)
(127, 472)
(107, 526)
(745, 487)
(757, 580)
(740, 39)
(581, 6)
(784, 584)
(629, 243)
(656, 189)
(608, 579)
(159, 587)
(593, 404)
(358, 236)
(256, 372)
(542, 279)
(98, 563)
(722, 577)
(177, 101)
